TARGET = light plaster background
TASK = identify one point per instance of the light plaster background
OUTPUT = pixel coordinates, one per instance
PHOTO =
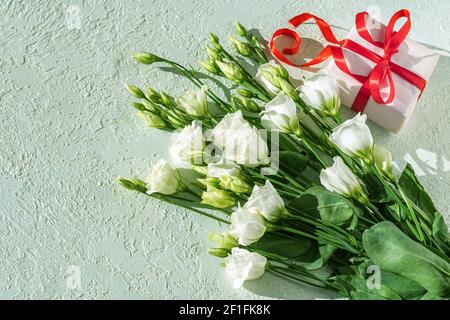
(67, 131)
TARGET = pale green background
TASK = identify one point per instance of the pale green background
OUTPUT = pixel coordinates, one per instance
(67, 132)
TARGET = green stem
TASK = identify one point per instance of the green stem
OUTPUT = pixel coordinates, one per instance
(281, 272)
(310, 148)
(179, 203)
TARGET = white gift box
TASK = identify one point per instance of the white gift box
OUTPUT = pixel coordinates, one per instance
(411, 55)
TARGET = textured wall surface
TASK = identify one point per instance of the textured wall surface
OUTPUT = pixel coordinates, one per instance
(67, 131)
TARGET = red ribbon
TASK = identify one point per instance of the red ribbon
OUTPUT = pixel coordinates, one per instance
(371, 84)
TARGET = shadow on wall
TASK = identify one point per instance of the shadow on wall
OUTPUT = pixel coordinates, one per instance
(429, 120)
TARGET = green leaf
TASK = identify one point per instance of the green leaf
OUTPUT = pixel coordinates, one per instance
(303, 252)
(329, 206)
(415, 191)
(440, 232)
(283, 245)
(430, 296)
(318, 256)
(389, 248)
(404, 287)
(360, 290)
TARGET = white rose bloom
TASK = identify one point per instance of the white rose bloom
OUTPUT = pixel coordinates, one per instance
(281, 114)
(262, 80)
(247, 225)
(322, 93)
(239, 141)
(266, 201)
(225, 128)
(353, 137)
(188, 146)
(193, 102)
(163, 179)
(244, 265)
(340, 179)
(246, 146)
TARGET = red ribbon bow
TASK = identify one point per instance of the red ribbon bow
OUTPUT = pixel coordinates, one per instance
(371, 84)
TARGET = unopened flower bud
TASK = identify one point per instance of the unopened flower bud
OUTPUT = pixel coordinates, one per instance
(135, 91)
(383, 160)
(240, 29)
(245, 93)
(146, 58)
(235, 184)
(152, 92)
(287, 88)
(217, 198)
(212, 53)
(247, 104)
(214, 38)
(209, 66)
(224, 240)
(272, 78)
(218, 252)
(210, 181)
(175, 121)
(242, 48)
(231, 71)
(138, 106)
(215, 41)
(152, 119)
(133, 184)
(282, 72)
(149, 106)
(165, 98)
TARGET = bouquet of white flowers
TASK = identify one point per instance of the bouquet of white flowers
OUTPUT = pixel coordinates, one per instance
(299, 189)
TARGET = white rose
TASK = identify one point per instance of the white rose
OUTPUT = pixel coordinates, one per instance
(247, 225)
(193, 102)
(246, 146)
(262, 80)
(340, 179)
(353, 137)
(266, 201)
(244, 265)
(322, 93)
(281, 114)
(188, 145)
(163, 179)
(229, 124)
(239, 141)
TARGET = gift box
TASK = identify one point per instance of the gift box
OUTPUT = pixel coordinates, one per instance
(380, 72)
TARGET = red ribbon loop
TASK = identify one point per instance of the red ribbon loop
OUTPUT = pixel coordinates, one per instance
(382, 71)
